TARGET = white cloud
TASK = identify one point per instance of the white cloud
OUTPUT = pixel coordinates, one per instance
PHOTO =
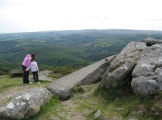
(41, 15)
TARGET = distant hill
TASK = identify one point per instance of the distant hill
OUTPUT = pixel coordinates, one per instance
(71, 47)
(93, 33)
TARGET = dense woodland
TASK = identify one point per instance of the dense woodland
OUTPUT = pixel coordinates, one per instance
(68, 49)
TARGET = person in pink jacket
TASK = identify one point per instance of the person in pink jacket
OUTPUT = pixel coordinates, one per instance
(34, 69)
(25, 64)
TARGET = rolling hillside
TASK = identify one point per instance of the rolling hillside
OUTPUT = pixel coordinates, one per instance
(66, 48)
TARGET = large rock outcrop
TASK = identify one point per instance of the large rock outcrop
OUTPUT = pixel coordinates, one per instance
(139, 63)
(120, 69)
(147, 75)
(25, 103)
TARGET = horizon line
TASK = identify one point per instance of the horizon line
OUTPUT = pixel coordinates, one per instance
(76, 30)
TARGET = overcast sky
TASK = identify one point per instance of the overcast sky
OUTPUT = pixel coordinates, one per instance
(44, 15)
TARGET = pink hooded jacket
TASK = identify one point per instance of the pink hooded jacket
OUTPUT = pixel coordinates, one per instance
(27, 60)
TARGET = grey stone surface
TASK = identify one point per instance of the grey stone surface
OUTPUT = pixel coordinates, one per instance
(25, 103)
(97, 114)
(151, 41)
(63, 86)
(43, 75)
(144, 86)
(16, 73)
(96, 75)
(147, 75)
(120, 69)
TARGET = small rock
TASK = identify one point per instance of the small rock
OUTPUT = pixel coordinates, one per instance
(97, 114)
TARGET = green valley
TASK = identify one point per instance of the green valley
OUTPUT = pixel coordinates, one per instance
(66, 48)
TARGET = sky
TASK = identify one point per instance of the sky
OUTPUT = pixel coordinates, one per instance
(53, 15)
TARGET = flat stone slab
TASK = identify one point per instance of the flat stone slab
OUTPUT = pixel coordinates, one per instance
(63, 87)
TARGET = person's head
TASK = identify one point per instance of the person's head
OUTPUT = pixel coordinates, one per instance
(33, 59)
(32, 55)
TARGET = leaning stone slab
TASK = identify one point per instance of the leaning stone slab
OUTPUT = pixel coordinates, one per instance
(96, 75)
(25, 103)
(120, 70)
(147, 75)
(63, 87)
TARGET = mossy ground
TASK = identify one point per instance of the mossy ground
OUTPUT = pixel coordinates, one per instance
(115, 104)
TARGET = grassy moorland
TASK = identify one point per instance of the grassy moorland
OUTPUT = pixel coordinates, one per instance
(114, 104)
(66, 51)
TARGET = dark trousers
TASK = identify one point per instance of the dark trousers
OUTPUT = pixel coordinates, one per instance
(25, 75)
(35, 76)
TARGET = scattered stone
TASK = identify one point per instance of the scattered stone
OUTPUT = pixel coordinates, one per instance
(97, 114)
(118, 109)
(16, 73)
(133, 119)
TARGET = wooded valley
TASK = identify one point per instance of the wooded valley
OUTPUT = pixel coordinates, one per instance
(70, 49)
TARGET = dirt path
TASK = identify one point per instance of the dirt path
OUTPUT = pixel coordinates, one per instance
(70, 106)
